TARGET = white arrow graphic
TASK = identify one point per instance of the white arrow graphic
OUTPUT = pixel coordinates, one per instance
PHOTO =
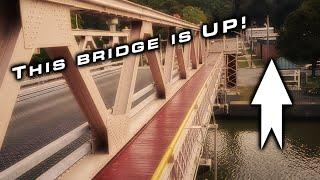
(271, 95)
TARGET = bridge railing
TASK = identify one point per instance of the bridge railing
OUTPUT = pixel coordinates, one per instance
(292, 78)
(182, 157)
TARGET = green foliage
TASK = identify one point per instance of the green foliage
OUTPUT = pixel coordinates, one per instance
(213, 9)
(155, 4)
(94, 21)
(257, 10)
(313, 82)
(40, 58)
(88, 21)
(243, 64)
(171, 7)
(184, 8)
(259, 63)
(299, 40)
(280, 9)
(220, 9)
(167, 6)
(193, 14)
(163, 32)
(76, 21)
(217, 10)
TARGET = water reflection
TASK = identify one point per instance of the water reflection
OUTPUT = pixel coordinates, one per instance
(239, 155)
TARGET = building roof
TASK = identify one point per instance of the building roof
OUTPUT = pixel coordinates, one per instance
(284, 63)
(272, 40)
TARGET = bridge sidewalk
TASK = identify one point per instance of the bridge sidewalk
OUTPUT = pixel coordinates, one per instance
(140, 157)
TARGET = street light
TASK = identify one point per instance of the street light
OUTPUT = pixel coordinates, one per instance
(268, 42)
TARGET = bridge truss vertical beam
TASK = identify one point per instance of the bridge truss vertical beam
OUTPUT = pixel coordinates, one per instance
(123, 102)
(16, 53)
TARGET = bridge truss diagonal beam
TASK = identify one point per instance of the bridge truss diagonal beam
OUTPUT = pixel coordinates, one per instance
(124, 98)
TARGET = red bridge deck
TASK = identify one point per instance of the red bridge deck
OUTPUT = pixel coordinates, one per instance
(140, 158)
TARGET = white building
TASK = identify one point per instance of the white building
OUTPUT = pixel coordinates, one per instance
(258, 33)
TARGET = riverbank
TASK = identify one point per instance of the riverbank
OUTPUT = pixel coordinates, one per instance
(248, 79)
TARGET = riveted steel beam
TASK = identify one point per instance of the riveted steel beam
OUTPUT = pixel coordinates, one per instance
(128, 9)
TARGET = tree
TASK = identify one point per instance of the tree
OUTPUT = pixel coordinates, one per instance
(221, 9)
(76, 21)
(171, 7)
(193, 14)
(257, 10)
(280, 9)
(299, 40)
(93, 21)
(155, 4)
(215, 10)
(167, 6)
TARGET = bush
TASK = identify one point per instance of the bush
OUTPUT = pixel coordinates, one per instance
(193, 14)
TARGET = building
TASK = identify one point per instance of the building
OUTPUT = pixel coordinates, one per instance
(257, 33)
(260, 48)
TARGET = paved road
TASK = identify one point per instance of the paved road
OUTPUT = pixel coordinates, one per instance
(48, 115)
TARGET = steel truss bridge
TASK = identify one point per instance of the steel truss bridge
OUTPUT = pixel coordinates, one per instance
(154, 132)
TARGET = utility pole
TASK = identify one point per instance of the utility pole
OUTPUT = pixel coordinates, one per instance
(77, 25)
(251, 51)
(268, 42)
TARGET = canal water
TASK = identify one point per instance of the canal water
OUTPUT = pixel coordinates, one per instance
(239, 155)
